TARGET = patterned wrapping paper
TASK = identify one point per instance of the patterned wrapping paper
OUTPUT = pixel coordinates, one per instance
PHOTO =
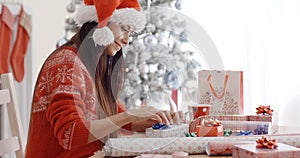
(262, 118)
(250, 151)
(246, 125)
(119, 147)
(223, 90)
(174, 131)
(209, 131)
(267, 118)
(198, 120)
(222, 148)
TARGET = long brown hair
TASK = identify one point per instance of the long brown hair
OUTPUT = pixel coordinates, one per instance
(108, 78)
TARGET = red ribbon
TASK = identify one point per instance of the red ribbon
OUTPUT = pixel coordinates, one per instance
(264, 142)
(211, 122)
(264, 109)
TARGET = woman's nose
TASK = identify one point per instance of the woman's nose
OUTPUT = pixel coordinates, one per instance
(125, 39)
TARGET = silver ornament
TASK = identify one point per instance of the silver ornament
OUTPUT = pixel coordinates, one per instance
(143, 68)
(71, 8)
(150, 40)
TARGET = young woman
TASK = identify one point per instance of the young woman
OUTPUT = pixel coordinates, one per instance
(75, 104)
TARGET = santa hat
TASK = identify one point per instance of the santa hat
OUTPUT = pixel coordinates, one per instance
(126, 12)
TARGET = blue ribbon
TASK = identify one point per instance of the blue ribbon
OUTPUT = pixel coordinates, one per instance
(245, 133)
(160, 126)
(261, 129)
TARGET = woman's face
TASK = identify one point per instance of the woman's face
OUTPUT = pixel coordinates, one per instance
(121, 35)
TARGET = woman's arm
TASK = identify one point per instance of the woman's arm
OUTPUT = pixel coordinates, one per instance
(103, 127)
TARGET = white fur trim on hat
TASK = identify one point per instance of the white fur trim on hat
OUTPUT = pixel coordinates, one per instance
(129, 16)
(103, 36)
(85, 14)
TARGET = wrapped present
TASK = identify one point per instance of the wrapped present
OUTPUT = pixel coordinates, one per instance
(198, 120)
(210, 128)
(267, 118)
(256, 127)
(212, 131)
(251, 151)
(222, 148)
(171, 131)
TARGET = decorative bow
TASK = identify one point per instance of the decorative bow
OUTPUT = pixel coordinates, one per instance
(264, 142)
(227, 132)
(193, 134)
(264, 109)
(245, 133)
(160, 126)
(261, 129)
(211, 122)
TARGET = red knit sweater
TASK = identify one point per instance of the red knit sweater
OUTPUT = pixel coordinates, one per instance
(64, 102)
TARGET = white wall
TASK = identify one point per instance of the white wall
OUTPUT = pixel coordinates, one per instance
(260, 37)
(48, 27)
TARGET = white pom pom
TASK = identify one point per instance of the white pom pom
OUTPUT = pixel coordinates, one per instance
(103, 36)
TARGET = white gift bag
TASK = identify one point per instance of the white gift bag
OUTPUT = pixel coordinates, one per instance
(223, 90)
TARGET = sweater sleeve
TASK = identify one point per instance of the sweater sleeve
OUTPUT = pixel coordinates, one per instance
(66, 111)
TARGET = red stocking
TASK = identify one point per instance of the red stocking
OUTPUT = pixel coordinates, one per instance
(7, 22)
(21, 45)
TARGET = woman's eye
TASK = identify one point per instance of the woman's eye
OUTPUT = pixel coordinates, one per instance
(125, 28)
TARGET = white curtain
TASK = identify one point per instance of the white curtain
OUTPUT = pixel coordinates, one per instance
(261, 38)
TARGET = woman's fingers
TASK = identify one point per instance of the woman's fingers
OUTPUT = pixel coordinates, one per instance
(168, 114)
(164, 118)
(158, 119)
(176, 118)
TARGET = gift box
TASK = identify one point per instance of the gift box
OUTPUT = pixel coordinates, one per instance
(171, 131)
(273, 119)
(250, 151)
(209, 131)
(256, 127)
(223, 148)
(222, 118)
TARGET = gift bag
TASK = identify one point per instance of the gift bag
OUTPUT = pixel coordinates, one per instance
(223, 90)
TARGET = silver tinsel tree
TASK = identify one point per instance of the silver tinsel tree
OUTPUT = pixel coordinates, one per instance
(157, 61)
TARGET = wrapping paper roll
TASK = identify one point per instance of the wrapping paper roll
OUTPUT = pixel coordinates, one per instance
(173, 131)
(119, 147)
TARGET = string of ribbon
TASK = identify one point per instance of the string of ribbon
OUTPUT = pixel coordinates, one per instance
(245, 133)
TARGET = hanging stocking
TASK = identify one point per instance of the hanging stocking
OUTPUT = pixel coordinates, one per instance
(7, 22)
(21, 45)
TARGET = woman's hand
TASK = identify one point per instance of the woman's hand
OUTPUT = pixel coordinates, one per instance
(150, 116)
